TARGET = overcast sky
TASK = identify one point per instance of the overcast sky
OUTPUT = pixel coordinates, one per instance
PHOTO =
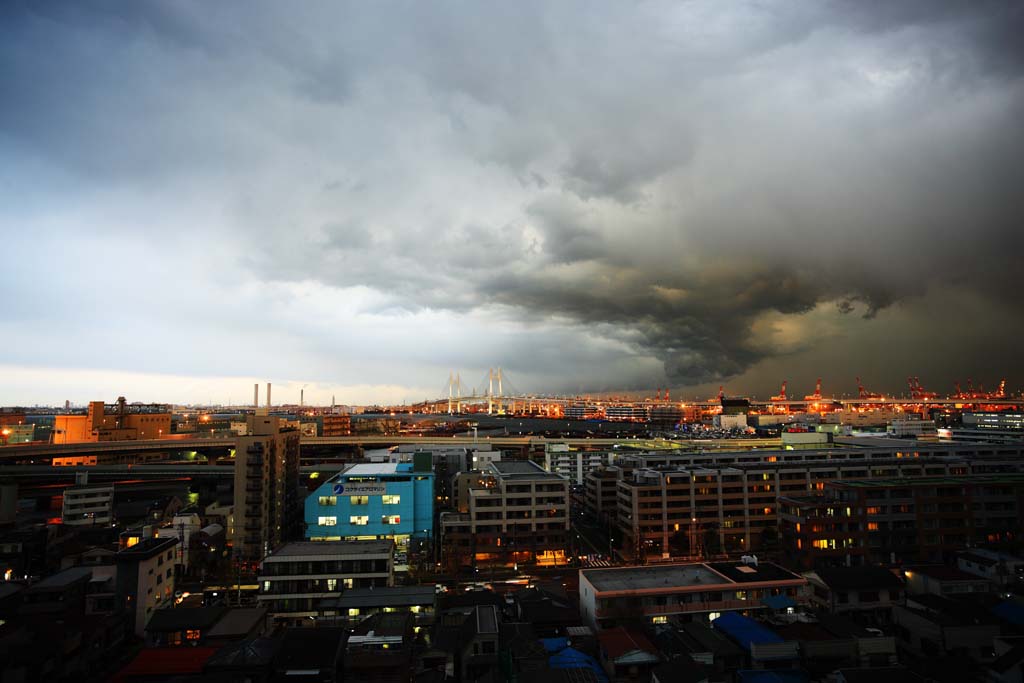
(592, 195)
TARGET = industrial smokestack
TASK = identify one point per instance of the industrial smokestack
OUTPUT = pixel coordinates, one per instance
(302, 397)
(256, 395)
(269, 404)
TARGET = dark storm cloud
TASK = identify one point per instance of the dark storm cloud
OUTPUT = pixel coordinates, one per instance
(693, 182)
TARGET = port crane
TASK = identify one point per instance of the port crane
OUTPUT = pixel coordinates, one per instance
(816, 396)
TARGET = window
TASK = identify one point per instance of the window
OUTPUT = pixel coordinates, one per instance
(391, 500)
(327, 521)
(328, 500)
(391, 519)
(353, 611)
(348, 582)
(659, 620)
(358, 500)
(359, 520)
(192, 634)
(332, 584)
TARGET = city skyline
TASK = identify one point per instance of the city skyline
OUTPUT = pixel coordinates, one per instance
(363, 198)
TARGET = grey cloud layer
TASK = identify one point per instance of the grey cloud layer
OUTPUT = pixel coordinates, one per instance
(665, 176)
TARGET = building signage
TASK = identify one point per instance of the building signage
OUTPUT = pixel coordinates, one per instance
(360, 489)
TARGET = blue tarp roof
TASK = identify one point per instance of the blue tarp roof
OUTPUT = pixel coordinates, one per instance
(772, 676)
(1011, 611)
(571, 658)
(743, 630)
(778, 602)
(554, 644)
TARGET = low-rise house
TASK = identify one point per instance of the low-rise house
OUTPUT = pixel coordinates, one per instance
(310, 655)
(182, 626)
(1000, 569)
(701, 643)
(869, 593)
(380, 649)
(765, 648)
(946, 581)
(930, 626)
(625, 653)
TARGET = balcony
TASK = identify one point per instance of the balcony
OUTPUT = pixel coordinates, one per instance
(676, 608)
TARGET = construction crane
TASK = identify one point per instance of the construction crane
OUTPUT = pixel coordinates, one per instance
(864, 393)
(816, 396)
(782, 393)
(917, 392)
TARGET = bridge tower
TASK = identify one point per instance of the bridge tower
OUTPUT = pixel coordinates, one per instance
(454, 392)
(491, 377)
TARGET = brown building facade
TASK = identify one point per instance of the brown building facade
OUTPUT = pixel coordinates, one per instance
(268, 510)
(117, 422)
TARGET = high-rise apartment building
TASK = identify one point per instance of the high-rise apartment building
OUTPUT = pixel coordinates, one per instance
(268, 507)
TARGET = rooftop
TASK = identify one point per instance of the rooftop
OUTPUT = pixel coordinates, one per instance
(675, 576)
(844, 578)
(374, 469)
(740, 572)
(321, 549)
(943, 573)
(183, 618)
(147, 548)
(999, 478)
(63, 579)
(387, 596)
(524, 469)
(238, 621)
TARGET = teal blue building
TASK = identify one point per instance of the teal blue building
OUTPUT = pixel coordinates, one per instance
(374, 501)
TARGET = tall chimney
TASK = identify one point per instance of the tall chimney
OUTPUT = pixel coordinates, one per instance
(255, 395)
(302, 397)
(269, 404)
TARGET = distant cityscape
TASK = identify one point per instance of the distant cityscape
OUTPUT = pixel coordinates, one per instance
(653, 535)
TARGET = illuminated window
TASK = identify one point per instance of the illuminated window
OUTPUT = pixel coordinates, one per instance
(359, 520)
(824, 544)
(327, 521)
(391, 500)
(332, 584)
(872, 526)
(358, 500)
(353, 611)
(659, 620)
(132, 540)
(391, 519)
(874, 510)
(192, 634)
(348, 582)
(328, 500)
